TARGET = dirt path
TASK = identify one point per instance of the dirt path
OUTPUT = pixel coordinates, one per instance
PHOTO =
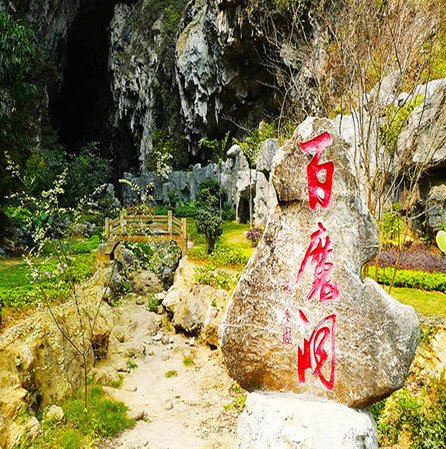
(182, 411)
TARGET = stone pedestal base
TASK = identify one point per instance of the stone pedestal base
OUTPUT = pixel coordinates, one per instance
(284, 420)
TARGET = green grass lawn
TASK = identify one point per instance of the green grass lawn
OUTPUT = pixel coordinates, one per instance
(429, 304)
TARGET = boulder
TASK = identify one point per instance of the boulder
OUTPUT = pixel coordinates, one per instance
(277, 420)
(191, 311)
(267, 151)
(54, 413)
(436, 207)
(144, 282)
(302, 318)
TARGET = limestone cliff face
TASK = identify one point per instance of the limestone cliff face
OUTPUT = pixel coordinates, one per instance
(194, 71)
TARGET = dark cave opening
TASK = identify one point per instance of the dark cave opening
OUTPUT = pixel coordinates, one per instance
(82, 108)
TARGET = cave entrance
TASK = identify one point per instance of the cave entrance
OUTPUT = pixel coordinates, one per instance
(83, 106)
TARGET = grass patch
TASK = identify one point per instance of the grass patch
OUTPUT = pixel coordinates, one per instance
(152, 303)
(188, 361)
(131, 364)
(171, 373)
(105, 418)
(431, 304)
(117, 382)
(18, 292)
(217, 278)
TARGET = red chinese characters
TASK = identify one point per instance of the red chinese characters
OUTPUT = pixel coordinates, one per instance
(318, 353)
(319, 191)
(318, 252)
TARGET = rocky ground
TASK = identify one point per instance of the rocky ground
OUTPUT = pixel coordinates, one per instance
(186, 410)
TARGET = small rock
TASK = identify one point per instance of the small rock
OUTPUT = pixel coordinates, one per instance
(160, 296)
(122, 367)
(165, 339)
(119, 334)
(137, 414)
(160, 310)
(54, 413)
(171, 340)
(140, 300)
(168, 404)
(169, 346)
(157, 337)
(34, 429)
(192, 341)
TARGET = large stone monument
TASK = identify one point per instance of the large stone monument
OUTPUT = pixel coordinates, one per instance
(303, 319)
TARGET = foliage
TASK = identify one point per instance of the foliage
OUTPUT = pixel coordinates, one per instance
(420, 414)
(254, 235)
(188, 361)
(18, 291)
(411, 279)
(396, 119)
(216, 278)
(209, 193)
(228, 212)
(171, 373)
(215, 148)
(131, 364)
(152, 303)
(209, 223)
(78, 429)
(392, 226)
(169, 152)
(86, 172)
(413, 256)
(251, 143)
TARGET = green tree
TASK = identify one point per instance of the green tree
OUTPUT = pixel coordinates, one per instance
(209, 223)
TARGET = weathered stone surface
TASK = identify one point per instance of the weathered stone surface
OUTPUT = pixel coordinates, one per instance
(277, 420)
(436, 207)
(54, 413)
(144, 282)
(267, 151)
(365, 338)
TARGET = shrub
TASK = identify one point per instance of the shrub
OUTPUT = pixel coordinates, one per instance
(152, 303)
(216, 278)
(413, 256)
(209, 223)
(225, 255)
(209, 194)
(421, 414)
(254, 235)
(411, 279)
(171, 373)
(188, 361)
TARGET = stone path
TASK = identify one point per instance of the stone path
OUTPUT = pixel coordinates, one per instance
(183, 411)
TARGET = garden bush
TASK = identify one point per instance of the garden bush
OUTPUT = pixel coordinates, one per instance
(216, 278)
(414, 256)
(411, 279)
(417, 415)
